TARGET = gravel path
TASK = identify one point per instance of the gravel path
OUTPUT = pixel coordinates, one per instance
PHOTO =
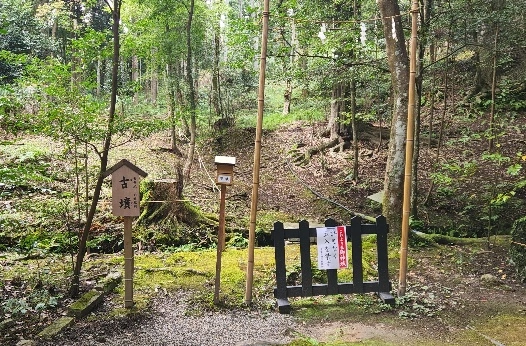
(167, 324)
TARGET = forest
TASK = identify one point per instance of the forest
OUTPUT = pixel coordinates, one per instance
(312, 99)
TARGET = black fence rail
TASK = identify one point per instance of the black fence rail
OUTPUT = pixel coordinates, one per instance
(354, 234)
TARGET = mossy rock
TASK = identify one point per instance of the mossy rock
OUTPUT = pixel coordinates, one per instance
(85, 304)
(518, 247)
(109, 283)
(56, 327)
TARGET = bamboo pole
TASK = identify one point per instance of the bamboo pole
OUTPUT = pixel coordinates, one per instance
(408, 152)
(128, 263)
(220, 243)
(257, 155)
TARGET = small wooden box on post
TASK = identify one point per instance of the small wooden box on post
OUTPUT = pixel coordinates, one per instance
(225, 169)
(125, 179)
(224, 177)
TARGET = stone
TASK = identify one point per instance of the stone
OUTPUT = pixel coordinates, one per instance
(56, 327)
(86, 304)
(109, 283)
(490, 279)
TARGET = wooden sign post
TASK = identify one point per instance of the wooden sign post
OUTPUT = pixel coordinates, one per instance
(224, 177)
(125, 178)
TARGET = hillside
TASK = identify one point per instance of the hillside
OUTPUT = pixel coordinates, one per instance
(453, 285)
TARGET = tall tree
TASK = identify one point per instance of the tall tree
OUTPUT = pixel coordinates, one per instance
(191, 91)
(399, 68)
(115, 9)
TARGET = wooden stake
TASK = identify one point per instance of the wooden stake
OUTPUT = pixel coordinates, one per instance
(128, 263)
(221, 230)
(220, 243)
(257, 155)
(408, 152)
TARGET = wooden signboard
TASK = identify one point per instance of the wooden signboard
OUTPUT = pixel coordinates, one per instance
(125, 178)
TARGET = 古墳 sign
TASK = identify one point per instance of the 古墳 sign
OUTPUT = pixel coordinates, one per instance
(125, 178)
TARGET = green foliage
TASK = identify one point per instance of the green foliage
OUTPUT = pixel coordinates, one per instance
(308, 110)
(481, 191)
(26, 169)
(10, 226)
(37, 301)
(509, 98)
(417, 240)
(415, 305)
(518, 247)
(47, 242)
(15, 307)
(170, 236)
(18, 45)
(237, 241)
(106, 243)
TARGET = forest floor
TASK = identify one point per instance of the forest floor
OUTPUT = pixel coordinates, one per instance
(460, 291)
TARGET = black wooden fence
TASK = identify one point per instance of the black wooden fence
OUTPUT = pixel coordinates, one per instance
(307, 289)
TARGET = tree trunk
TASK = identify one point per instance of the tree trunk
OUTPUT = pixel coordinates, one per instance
(332, 124)
(432, 54)
(485, 52)
(354, 130)
(99, 76)
(442, 121)
(135, 78)
(493, 89)
(287, 96)
(75, 280)
(216, 105)
(338, 107)
(399, 67)
(424, 36)
(180, 99)
(172, 105)
(154, 80)
(191, 93)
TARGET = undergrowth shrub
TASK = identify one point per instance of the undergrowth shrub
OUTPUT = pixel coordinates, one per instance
(518, 247)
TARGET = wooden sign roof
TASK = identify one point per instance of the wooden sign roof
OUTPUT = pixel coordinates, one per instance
(128, 164)
(225, 160)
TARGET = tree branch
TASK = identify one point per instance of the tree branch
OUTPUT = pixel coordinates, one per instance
(451, 54)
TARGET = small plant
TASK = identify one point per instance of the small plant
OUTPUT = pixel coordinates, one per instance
(416, 304)
(15, 307)
(237, 241)
(407, 315)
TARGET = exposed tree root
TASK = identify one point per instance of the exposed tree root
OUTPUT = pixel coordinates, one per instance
(376, 135)
(160, 203)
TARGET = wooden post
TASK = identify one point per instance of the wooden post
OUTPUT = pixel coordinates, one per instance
(221, 231)
(306, 268)
(128, 263)
(220, 243)
(402, 282)
(257, 154)
(278, 234)
(357, 264)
